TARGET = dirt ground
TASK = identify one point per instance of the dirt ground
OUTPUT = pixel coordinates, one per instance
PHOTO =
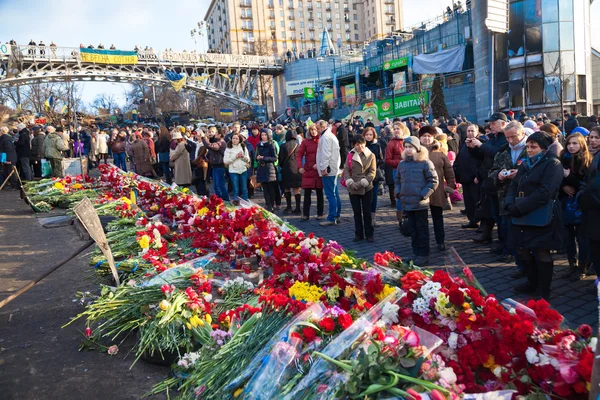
(38, 359)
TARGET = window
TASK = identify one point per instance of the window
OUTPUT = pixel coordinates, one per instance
(356, 36)
(281, 14)
(311, 35)
(292, 26)
(320, 25)
(291, 3)
(284, 45)
(319, 15)
(356, 27)
(355, 7)
(337, 15)
(282, 24)
(247, 12)
(581, 88)
(347, 36)
(533, 39)
(328, 16)
(300, 13)
(300, 4)
(347, 26)
(368, 13)
(283, 35)
(550, 37)
(311, 25)
(565, 10)
(280, 3)
(337, 26)
(301, 24)
(329, 27)
(356, 18)
(567, 41)
(319, 4)
(336, 5)
(549, 10)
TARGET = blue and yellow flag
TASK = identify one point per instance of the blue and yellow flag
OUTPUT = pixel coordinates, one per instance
(49, 103)
(177, 80)
(100, 56)
(64, 109)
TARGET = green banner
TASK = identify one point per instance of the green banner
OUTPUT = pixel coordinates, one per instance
(397, 63)
(401, 106)
(309, 93)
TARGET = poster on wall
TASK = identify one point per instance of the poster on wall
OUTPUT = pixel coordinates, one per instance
(399, 79)
(328, 97)
(350, 92)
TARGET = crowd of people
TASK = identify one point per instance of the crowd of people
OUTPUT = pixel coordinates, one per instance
(535, 180)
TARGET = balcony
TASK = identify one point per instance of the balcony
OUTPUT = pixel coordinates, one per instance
(347, 30)
(329, 19)
(271, 17)
(245, 4)
(328, 8)
(311, 19)
(290, 7)
(291, 17)
(272, 27)
(247, 28)
(389, 1)
(310, 7)
(390, 12)
(390, 22)
(271, 5)
(311, 29)
(246, 17)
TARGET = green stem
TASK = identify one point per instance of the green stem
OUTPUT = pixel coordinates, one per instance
(421, 382)
(334, 361)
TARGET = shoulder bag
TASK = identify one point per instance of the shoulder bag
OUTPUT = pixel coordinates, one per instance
(540, 217)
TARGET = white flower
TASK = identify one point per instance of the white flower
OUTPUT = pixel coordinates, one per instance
(544, 359)
(532, 355)
(555, 363)
(593, 343)
(390, 313)
(497, 371)
(430, 290)
(453, 340)
(421, 306)
(448, 375)
(208, 297)
(279, 243)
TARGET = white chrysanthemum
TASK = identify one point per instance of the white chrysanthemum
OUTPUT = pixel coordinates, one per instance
(430, 290)
(390, 313)
(453, 340)
(593, 343)
(532, 355)
(421, 306)
(497, 371)
(448, 375)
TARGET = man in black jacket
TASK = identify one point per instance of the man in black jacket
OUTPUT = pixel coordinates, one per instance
(487, 151)
(37, 151)
(571, 123)
(342, 137)
(24, 152)
(8, 157)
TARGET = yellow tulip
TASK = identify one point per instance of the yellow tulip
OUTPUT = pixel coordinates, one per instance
(164, 305)
(208, 318)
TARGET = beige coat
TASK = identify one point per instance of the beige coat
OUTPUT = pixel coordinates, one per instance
(359, 179)
(180, 160)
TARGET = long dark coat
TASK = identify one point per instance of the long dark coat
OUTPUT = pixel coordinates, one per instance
(590, 201)
(532, 188)
(290, 177)
(265, 170)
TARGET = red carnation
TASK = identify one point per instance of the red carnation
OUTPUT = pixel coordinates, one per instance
(309, 334)
(345, 320)
(456, 297)
(585, 330)
(327, 324)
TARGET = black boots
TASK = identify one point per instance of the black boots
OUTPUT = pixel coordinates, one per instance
(545, 270)
(297, 211)
(571, 271)
(288, 202)
(486, 234)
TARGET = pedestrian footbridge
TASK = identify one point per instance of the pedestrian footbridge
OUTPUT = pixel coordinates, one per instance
(226, 75)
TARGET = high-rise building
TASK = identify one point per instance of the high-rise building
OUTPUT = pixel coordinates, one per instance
(272, 27)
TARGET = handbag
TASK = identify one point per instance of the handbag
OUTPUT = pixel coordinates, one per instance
(405, 227)
(253, 183)
(571, 211)
(540, 217)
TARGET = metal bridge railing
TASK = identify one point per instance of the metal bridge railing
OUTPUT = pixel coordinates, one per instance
(52, 54)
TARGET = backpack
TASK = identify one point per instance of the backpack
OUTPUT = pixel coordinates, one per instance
(349, 161)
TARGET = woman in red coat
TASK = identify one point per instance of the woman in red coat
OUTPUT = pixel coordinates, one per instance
(393, 156)
(306, 160)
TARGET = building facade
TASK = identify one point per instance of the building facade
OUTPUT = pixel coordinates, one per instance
(274, 27)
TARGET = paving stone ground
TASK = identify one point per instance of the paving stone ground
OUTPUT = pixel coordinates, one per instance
(572, 299)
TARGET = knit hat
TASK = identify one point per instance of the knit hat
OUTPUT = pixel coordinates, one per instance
(414, 142)
(428, 129)
(531, 125)
(541, 138)
(580, 129)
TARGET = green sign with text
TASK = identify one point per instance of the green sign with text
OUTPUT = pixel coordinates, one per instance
(400, 106)
(309, 93)
(397, 63)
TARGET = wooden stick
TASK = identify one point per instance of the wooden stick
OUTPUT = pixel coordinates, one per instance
(30, 284)
(7, 178)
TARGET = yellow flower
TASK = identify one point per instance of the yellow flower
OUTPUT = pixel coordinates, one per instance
(466, 305)
(154, 207)
(185, 190)
(144, 242)
(387, 290)
(490, 363)
(195, 321)
(208, 318)
(333, 293)
(187, 325)
(336, 260)
(305, 291)
(248, 229)
(125, 200)
(164, 305)
(59, 185)
(237, 393)
(77, 186)
(203, 211)
(443, 306)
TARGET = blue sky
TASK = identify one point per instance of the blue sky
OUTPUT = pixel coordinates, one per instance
(126, 23)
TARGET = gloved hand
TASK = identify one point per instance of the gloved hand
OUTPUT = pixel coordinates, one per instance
(356, 186)
(349, 183)
(364, 182)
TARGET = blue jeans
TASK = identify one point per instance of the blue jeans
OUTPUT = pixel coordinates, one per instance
(218, 176)
(331, 188)
(239, 184)
(167, 171)
(120, 161)
(398, 203)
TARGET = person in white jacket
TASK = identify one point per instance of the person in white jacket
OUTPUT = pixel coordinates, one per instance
(237, 159)
(328, 163)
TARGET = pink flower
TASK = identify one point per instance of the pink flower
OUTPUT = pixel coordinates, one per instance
(112, 350)
(88, 332)
(414, 394)
(436, 395)
(411, 338)
(568, 374)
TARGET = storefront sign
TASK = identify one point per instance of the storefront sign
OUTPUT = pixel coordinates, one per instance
(397, 107)
(296, 88)
(400, 62)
